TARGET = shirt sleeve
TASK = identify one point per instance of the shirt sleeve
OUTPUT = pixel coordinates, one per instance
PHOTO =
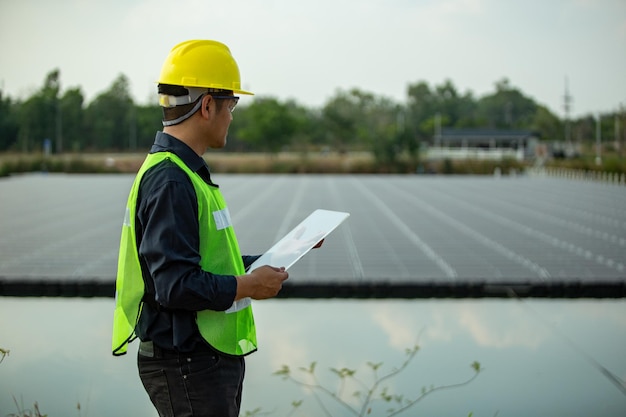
(169, 241)
(249, 260)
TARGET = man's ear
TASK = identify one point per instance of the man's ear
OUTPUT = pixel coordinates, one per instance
(206, 100)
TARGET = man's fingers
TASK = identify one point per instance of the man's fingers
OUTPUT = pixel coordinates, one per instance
(319, 244)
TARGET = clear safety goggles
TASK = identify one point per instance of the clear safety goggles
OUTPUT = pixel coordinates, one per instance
(195, 93)
(168, 101)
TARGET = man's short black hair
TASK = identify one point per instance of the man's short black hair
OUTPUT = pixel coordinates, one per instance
(172, 90)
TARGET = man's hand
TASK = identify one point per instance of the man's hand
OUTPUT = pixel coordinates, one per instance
(262, 283)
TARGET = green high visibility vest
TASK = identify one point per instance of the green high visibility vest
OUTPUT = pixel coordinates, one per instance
(231, 332)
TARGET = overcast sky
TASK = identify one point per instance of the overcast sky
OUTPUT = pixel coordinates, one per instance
(306, 50)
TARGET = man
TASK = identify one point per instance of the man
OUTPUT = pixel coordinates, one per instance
(182, 286)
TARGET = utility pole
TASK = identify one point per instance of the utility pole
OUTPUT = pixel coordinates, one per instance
(58, 119)
(438, 129)
(599, 140)
(400, 120)
(622, 139)
(132, 132)
(567, 103)
(59, 126)
(508, 114)
(617, 132)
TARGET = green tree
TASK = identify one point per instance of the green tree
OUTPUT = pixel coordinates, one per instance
(443, 106)
(506, 108)
(384, 131)
(110, 122)
(350, 120)
(340, 119)
(148, 121)
(39, 116)
(346, 118)
(72, 123)
(8, 123)
(448, 102)
(268, 123)
(308, 127)
(421, 106)
(584, 129)
(547, 124)
(358, 119)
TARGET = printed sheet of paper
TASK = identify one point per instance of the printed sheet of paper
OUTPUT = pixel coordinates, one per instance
(301, 239)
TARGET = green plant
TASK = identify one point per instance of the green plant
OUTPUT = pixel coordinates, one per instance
(257, 412)
(3, 353)
(368, 395)
(22, 412)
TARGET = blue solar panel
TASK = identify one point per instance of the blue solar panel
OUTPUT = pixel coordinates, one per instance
(403, 230)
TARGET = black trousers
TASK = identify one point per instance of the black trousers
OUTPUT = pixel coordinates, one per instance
(198, 384)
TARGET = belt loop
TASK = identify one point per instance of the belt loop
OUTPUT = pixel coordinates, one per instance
(146, 349)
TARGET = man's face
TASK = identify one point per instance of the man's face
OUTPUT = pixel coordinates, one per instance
(221, 115)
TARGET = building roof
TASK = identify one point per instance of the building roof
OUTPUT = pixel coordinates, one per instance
(487, 134)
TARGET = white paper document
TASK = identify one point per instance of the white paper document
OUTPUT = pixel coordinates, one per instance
(301, 239)
(295, 244)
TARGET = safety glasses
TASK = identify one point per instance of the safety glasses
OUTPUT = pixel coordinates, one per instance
(233, 101)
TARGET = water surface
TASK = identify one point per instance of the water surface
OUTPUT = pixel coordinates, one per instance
(540, 357)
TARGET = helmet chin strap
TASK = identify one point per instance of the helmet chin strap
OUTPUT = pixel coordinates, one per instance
(184, 116)
(195, 93)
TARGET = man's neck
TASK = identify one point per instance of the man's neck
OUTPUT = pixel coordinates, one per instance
(184, 134)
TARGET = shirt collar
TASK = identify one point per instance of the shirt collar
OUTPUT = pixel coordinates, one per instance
(168, 143)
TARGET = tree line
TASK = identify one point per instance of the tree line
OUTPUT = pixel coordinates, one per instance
(350, 120)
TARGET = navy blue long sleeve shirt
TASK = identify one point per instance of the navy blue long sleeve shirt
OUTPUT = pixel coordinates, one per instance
(168, 242)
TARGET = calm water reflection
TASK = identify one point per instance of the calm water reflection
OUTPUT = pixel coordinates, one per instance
(540, 357)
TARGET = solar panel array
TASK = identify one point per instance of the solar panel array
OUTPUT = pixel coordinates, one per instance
(405, 233)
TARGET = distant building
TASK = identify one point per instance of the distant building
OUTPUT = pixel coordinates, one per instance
(483, 144)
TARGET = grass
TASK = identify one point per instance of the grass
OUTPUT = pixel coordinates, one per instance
(247, 163)
(295, 163)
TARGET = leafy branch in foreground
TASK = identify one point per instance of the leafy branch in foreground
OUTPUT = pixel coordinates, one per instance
(366, 395)
(3, 353)
(22, 412)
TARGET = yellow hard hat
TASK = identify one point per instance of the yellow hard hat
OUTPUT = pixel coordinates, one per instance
(202, 63)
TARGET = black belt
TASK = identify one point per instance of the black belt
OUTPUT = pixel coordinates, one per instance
(150, 350)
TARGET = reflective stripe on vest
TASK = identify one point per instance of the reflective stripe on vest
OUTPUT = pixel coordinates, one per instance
(231, 332)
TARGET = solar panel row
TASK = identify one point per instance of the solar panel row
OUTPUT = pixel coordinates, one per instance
(404, 231)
